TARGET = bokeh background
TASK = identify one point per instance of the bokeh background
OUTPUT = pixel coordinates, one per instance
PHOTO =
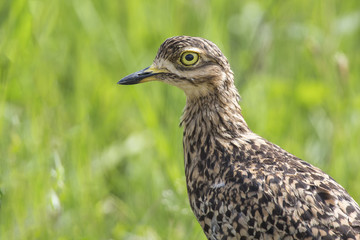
(84, 158)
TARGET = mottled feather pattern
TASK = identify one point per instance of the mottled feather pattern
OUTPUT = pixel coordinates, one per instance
(267, 193)
(240, 185)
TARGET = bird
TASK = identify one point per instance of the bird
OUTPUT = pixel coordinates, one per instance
(240, 185)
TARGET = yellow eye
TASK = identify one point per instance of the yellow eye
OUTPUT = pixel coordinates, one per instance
(189, 58)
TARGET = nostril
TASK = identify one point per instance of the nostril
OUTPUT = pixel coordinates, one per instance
(144, 73)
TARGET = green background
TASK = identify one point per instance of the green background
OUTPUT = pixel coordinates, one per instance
(84, 158)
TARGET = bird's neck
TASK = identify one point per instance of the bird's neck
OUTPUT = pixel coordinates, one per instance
(218, 113)
(208, 122)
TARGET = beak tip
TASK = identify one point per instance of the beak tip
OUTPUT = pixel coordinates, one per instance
(125, 82)
(137, 77)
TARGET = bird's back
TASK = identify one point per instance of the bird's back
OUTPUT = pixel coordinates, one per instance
(248, 187)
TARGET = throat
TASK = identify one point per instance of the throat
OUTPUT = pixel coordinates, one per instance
(213, 115)
(209, 123)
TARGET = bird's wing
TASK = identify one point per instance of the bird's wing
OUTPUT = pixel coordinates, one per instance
(278, 197)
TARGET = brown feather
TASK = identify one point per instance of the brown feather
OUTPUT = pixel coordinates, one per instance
(240, 185)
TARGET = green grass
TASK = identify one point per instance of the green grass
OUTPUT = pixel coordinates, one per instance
(83, 158)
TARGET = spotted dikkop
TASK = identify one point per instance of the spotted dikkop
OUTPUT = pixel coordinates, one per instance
(240, 185)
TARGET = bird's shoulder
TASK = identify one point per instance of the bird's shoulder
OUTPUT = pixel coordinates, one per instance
(264, 185)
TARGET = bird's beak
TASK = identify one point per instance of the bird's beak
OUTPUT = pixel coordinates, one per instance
(146, 75)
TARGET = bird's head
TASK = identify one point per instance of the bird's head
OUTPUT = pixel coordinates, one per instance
(193, 64)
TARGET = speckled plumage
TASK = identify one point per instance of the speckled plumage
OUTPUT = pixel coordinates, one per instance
(240, 185)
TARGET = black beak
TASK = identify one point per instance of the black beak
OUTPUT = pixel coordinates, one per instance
(138, 77)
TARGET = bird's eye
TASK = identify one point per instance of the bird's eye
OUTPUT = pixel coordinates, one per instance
(189, 58)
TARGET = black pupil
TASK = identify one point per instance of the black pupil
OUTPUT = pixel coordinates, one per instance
(189, 57)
